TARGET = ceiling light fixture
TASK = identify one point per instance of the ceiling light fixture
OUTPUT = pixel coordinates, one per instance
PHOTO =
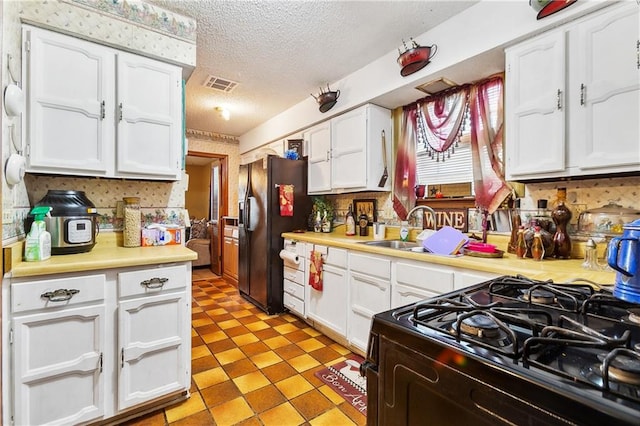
(224, 113)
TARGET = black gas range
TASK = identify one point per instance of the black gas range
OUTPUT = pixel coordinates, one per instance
(506, 351)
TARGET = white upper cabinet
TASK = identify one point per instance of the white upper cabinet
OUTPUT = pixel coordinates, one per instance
(345, 153)
(573, 98)
(70, 100)
(535, 106)
(95, 111)
(605, 135)
(319, 160)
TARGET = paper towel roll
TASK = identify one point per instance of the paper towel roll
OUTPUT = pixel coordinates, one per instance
(289, 256)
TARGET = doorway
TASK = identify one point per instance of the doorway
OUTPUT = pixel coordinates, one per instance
(207, 197)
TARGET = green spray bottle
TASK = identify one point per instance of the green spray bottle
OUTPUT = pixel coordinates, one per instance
(38, 242)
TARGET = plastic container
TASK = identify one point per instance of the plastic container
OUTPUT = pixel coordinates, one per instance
(131, 233)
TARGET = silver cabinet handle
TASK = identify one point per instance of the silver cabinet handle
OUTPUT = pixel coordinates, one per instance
(559, 99)
(582, 93)
(60, 295)
(638, 53)
(120, 112)
(102, 110)
(154, 282)
(328, 155)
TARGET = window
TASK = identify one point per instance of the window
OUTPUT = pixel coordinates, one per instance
(456, 167)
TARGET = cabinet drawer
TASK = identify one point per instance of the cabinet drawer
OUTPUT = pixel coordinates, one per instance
(231, 231)
(28, 295)
(294, 304)
(294, 289)
(437, 280)
(294, 275)
(152, 280)
(370, 265)
(332, 256)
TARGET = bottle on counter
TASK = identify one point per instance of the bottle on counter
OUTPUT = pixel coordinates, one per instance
(404, 230)
(317, 223)
(363, 224)
(516, 221)
(591, 256)
(350, 223)
(521, 244)
(326, 224)
(561, 216)
(537, 246)
(131, 233)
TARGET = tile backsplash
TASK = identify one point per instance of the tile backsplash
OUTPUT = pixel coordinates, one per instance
(581, 195)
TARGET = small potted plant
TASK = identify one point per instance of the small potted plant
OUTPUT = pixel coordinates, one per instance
(325, 208)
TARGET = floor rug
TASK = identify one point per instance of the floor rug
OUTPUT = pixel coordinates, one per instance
(344, 378)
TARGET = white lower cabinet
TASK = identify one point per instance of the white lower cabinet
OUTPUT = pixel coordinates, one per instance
(415, 281)
(465, 278)
(151, 334)
(369, 293)
(87, 347)
(294, 279)
(329, 306)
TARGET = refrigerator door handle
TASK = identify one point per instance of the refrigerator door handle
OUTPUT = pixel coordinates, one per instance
(251, 215)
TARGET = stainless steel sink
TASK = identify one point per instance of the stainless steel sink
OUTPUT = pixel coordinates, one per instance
(394, 244)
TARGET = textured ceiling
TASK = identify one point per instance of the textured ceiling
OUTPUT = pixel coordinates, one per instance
(281, 51)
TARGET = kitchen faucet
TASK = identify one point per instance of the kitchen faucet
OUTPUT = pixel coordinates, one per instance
(423, 207)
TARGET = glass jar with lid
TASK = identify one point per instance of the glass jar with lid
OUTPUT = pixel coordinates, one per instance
(131, 232)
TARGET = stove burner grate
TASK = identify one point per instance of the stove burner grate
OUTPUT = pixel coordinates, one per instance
(622, 365)
(564, 297)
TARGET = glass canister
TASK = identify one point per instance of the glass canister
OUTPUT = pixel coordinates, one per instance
(131, 233)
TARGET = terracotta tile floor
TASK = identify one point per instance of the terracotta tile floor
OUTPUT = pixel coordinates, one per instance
(249, 368)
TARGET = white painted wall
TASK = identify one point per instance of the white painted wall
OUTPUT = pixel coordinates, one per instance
(470, 46)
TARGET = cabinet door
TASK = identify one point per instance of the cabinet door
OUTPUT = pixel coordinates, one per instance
(535, 107)
(349, 150)
(606, 81)
(319, 159)
(227, 255)
(329, 306)
(367, 296)
(415, 281)
(234, 258)
(154, 355)
(149, 117)
(70, 103)
(57, 364)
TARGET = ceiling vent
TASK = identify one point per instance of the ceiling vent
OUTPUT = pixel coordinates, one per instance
(436, 86)
(220, 84)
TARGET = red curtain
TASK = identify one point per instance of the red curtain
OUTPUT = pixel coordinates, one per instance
(486, 145)
(440, 120)
(404, 196)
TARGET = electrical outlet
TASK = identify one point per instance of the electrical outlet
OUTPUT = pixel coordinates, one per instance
(119, 209)
(7, 216)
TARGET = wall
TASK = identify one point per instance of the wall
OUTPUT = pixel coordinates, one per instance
(214, 144)
(199, 192)
(133, 27)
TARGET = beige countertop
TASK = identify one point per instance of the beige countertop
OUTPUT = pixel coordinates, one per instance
(555, 269)
(107, 253)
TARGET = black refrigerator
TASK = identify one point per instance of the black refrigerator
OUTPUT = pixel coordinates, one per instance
(260, 225)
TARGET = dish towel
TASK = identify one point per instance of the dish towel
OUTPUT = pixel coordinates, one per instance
(286, 200)
(315, 270)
